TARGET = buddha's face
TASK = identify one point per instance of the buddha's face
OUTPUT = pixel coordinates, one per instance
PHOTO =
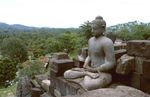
(97, 30)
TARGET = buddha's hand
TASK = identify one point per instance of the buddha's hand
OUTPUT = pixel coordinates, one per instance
(90, 69)
(92, 75)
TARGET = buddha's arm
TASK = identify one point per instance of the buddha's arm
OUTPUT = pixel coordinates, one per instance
(86, 65)
(109, 57)
(87, 62)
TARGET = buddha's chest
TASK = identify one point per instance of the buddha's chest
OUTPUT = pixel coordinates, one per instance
(95, 48)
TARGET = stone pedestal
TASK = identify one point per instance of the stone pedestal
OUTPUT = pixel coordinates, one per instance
(60, 66)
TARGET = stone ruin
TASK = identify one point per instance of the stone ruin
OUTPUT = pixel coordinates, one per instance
(131, 77)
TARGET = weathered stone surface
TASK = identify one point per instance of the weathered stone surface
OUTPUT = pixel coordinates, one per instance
(136, 80)
(46, 84)
(142, 66)
(139, 64)
(125, 65)
(119, 91)
(23, 87)
(66, 87)
(36, 92)
(140, 82)
(146, 68)
(139, 48)
(60, 66)
(60, 55)
(145, 85)
(39, 78)
(120, 46)
(52, 86)
(119, 53)
(45, 95)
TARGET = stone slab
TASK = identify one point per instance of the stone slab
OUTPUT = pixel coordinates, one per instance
(119, 91)
(139, 48)
(125, 64)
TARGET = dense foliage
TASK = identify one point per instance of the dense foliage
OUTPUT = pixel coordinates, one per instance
(14, 49)
(132, 30)
(30, 68)
(7, 70)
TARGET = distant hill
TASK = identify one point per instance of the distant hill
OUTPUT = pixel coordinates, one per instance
(9, 29)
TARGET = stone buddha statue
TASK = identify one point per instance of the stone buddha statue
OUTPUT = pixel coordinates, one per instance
(100, 59)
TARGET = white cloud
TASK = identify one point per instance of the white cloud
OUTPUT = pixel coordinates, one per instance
(72, 13)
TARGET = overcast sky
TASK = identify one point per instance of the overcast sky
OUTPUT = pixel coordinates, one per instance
(72, 13)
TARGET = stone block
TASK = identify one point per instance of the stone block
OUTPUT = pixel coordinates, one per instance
(60, 55)
(119, 53)
(145, 85)
(65, 87)
(136, 80)
(36, 92)
(139, 48)
(142, 66)
(41, 77)
(125, 65)
(139, 64)
(120, 46)
(60, 66)
(52, 86)
(146, 68)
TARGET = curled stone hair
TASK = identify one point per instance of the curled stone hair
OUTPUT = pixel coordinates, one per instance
(99, 21)
(99, 17)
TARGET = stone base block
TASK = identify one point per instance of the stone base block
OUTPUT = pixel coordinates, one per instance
(62, 87)
(140, 82)
(146, 69)
(60, 66)
(139, 48)
(125, 65)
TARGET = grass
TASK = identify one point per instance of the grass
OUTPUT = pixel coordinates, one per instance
(8, 92)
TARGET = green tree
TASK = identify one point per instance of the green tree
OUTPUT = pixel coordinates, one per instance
(85, 32)
(7, 70)
(68, 41)
(14, 49)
